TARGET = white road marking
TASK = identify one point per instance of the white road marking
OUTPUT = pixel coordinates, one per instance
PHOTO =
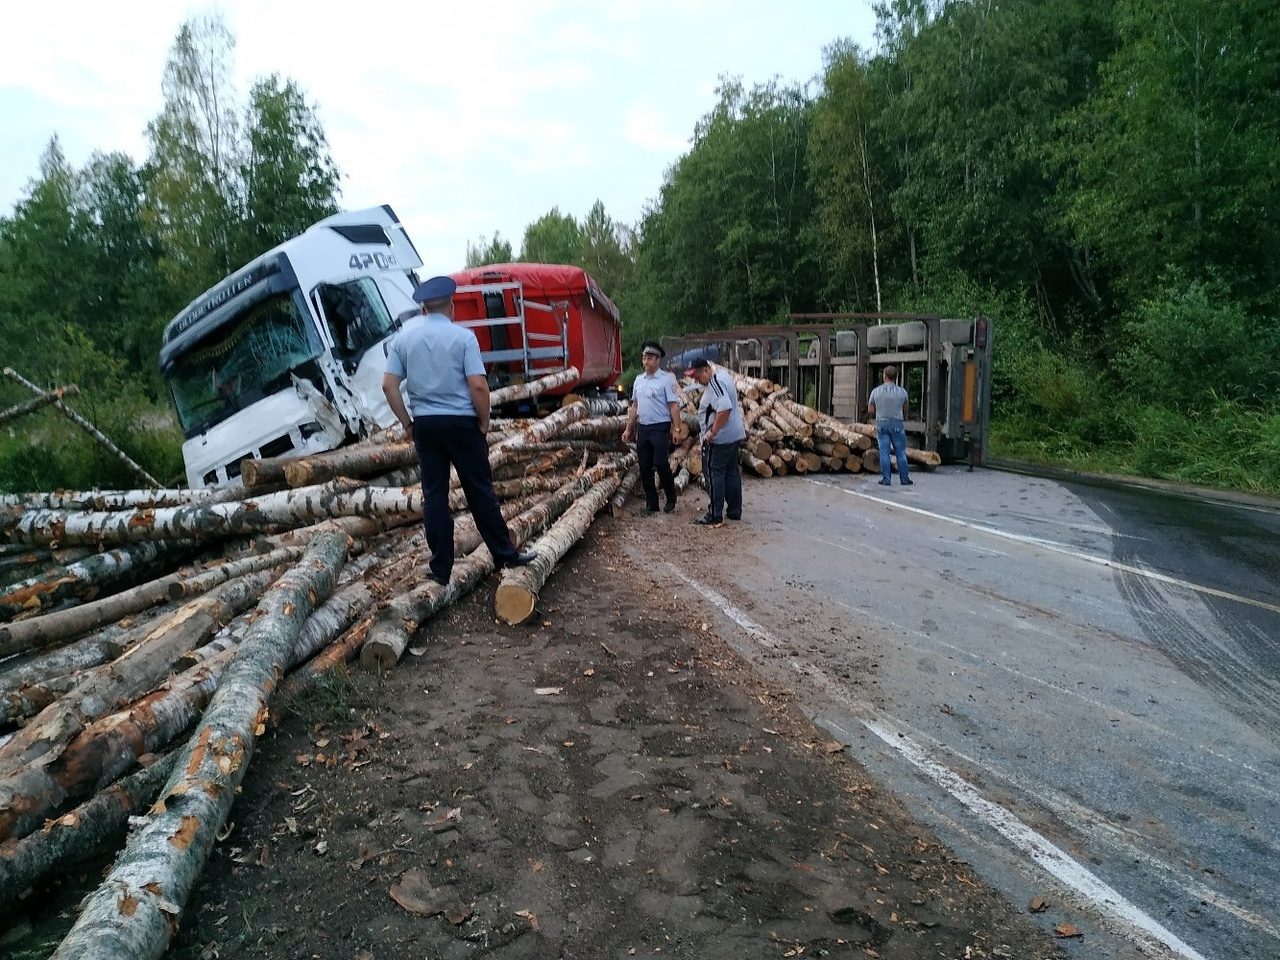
(1056, 547)
(1142, 929)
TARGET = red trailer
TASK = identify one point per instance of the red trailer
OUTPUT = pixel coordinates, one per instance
(537, 318)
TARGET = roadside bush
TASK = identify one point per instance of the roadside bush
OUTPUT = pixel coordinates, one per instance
(1194, 345)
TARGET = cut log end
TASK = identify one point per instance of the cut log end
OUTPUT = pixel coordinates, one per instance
(514, 604)
(378, 655)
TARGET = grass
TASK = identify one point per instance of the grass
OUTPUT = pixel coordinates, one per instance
(1225, 446)
(335, 696)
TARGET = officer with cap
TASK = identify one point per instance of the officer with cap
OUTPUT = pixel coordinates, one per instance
(439, 362)
(655, 407)
(723, 431)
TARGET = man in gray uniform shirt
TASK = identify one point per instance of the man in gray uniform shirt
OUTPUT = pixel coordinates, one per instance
(655, 407)
(449, 395)
(888, 404)
(722, 434)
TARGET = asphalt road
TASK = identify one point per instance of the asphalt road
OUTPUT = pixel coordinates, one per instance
(1077, 687)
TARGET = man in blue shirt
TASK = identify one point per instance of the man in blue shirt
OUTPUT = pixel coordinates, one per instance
(722, 434)
(653, 418)
(449, 396)
(888, 404)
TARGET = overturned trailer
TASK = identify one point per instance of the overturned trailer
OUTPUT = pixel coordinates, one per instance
(832, 362)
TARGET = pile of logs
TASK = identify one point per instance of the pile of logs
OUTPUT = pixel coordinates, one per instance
(784, 436)
(148, 637)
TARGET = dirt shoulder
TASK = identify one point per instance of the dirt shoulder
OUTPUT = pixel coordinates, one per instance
(611, 780)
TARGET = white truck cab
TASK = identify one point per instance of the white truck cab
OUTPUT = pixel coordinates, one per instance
(287, 354)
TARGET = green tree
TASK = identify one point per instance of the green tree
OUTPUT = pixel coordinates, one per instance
(486, 251)
(126, 306)
(552, 238)
(987, 83)
(196, 158)
(1173, 161)
(728, 241)
(606, 250)
(847, 179)
(289, 178)
(41, 246)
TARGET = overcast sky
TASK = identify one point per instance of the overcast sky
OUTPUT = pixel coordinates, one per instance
(468, 118)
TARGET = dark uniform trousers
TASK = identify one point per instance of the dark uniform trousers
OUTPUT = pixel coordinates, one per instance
(457, 441)
(653, 445)
(724, 480)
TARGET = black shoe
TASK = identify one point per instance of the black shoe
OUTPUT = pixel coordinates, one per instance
(734, 519)
(908, 483)
(885, 483)
(649, 511)
(521, 560)
(670, 507)
(442, 580)
(706, 521)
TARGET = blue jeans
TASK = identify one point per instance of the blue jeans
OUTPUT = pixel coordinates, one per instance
(891, 433)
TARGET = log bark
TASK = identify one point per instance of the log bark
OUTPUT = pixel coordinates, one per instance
(106, 749)
(542, 430)
(180, 589)
(63, 624)
(117, 499)
(790, 422)
(363, 460)
(102, 572)
(517, 595)
(139, 669)
(78, 835)
(30, 406)
(757, 465)
(106, 644)
(134, 913)
(595, 428)
(628, 485)
(267, 514)
(532, 388)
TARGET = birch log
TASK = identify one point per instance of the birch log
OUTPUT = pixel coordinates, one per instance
(364, 460)
(101, 572)
(542, 430)
(106, 749)
(140, 668)
(517, 595)
(274, 512)
(389, 633)
(22, 409)
(134, 913)
(63, 624)
(98, 647)
(79, 834)
(628, 485)
(116, 499)
(532, 388)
